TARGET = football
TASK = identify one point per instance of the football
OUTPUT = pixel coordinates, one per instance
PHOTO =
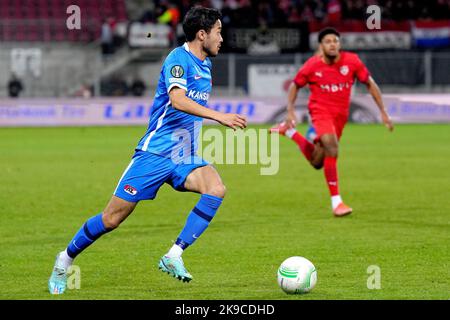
(297, 275)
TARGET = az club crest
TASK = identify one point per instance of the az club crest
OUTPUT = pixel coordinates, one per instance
(344, 70)
(129, 189)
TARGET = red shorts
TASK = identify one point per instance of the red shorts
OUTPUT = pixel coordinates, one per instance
(328, 123)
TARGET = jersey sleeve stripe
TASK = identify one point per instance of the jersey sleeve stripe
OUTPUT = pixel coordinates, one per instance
(176, 85)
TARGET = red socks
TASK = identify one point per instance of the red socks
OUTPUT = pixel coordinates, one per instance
(329, 164)
(305, 146)
(330, 170)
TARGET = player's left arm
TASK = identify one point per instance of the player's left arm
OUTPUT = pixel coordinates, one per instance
(375, 92)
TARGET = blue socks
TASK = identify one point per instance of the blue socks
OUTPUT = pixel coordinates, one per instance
(89, 232)
(198, 220)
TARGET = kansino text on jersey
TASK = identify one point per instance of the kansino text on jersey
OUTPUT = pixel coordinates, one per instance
(194, 94)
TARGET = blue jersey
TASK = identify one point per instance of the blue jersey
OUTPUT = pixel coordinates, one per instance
(171, 131)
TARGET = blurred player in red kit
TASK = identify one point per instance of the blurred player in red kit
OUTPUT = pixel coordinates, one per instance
(330, 75)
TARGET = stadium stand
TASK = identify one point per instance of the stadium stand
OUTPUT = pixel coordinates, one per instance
(45, 20)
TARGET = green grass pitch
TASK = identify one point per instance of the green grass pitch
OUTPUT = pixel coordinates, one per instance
(53, 179)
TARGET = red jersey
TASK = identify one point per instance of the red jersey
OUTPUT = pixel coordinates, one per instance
(331, 84)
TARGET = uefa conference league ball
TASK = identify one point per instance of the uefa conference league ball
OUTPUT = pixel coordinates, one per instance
(297, 275)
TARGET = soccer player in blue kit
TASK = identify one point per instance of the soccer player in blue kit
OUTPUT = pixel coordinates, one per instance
(167, 151)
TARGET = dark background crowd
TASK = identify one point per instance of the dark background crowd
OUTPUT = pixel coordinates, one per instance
(251, 13)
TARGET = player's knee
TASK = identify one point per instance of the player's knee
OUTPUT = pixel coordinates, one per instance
(112, 220)
(109, 221)
(317, 165)
(217, 190)
(317, 161)
(331, 151)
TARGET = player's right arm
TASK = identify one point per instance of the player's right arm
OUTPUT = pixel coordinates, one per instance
(300, 80)
(181, 102)
(291, 118)
(175, 77)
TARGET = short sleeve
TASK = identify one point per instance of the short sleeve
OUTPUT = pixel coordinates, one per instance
(301, 78)
(361, 71)
(175, 72)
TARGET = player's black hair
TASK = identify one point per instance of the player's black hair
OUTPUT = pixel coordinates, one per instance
(327, 31)
(199, 18)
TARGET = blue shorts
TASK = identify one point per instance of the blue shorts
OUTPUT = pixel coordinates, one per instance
(147, 172)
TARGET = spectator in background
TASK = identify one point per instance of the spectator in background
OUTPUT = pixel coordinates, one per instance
(284, 5)
(265, 14)
(442, 9)
(106, 39)
(217, 4)
(334, 11)
(410, 10)
(294, 16)
(148, 14)
(84, 92)
(320, 13)
(119, 86)
(307, 13)
(15, 86)
(232, 4)
(171, 16)
(227, 15)
(281, 13)
(137, 87)
(117, 39)
(115, 86)
(245, 14)
(387, 9)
